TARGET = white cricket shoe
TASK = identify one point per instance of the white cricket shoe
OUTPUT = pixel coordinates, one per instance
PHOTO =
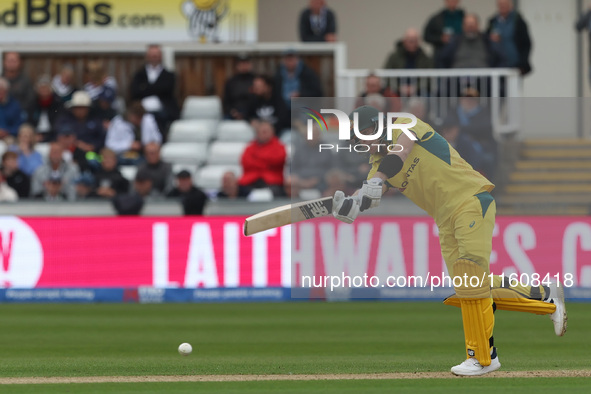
(471, 367)
(559, 317)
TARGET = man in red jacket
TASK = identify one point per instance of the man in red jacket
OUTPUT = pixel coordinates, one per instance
(263, 161)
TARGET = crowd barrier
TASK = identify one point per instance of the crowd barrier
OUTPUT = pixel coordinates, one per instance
(162, 259)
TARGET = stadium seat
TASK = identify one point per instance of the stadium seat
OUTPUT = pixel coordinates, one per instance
(210, 177)
(184, 152)
(191, 130)
(128, 172)
(43, 149)
(195, 107)
(223, 152)
(235, 130)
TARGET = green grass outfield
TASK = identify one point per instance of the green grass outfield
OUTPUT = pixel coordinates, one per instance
(279, 338)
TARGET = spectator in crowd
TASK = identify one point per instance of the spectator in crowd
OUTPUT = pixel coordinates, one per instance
(63, 83)
(509, 34)
(409, 55)
(468, 149)
(133, 202)
(63, 173)
(15, 178)
(159, 171)
(266, 105)
(7, 193)
(155, 86)
(28, 158)
(350, 169)
(583, 23)
(378, 95)
(128, 134)
(21, 87)
(103, 106)
(84, 186)
(86, 161)
(86, 126)
(238, 89)
(471, 49)
(11, 114)
(336, 180)
(295, 79)
(263, 162)
(98, 80)
(418, 107)
(442, 27)
(475, 121)
(318, 23)
(230, 189)
(52, 189)
(468, 128)
(45, 109)
(309, 165)
(109, 179)
(192, 198)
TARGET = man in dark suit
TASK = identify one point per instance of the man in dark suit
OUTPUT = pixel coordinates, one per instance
(155, 87)
(318, 23)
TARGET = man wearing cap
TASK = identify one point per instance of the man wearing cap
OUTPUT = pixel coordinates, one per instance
(133, 202)
(102, 106)
(52, 189)
(267, 106)
(237, 91)
(87, 127)
(57, 167)
(426, 169)
(85, 187)
(295, 79)
(192, 198)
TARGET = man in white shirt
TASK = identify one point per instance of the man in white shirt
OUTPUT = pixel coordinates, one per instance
(128, 134)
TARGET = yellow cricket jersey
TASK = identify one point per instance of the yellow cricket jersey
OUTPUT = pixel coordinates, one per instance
(434, 176)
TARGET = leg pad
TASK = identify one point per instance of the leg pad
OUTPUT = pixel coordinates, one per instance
(477, 309)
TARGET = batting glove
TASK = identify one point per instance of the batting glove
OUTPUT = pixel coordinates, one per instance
(370, 194)
(344, 208)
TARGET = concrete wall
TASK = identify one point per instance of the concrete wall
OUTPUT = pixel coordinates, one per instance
(554, 56)
(369, 27)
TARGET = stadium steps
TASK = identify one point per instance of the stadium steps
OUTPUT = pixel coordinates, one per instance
(551, 177)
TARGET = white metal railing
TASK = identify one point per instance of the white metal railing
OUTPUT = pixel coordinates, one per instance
(500, 87)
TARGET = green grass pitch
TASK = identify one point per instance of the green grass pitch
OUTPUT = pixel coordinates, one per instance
(279, 338)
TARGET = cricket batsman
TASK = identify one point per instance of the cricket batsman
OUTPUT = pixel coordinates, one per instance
(434, 176)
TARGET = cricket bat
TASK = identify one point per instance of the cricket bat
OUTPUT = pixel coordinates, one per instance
(287, 214)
